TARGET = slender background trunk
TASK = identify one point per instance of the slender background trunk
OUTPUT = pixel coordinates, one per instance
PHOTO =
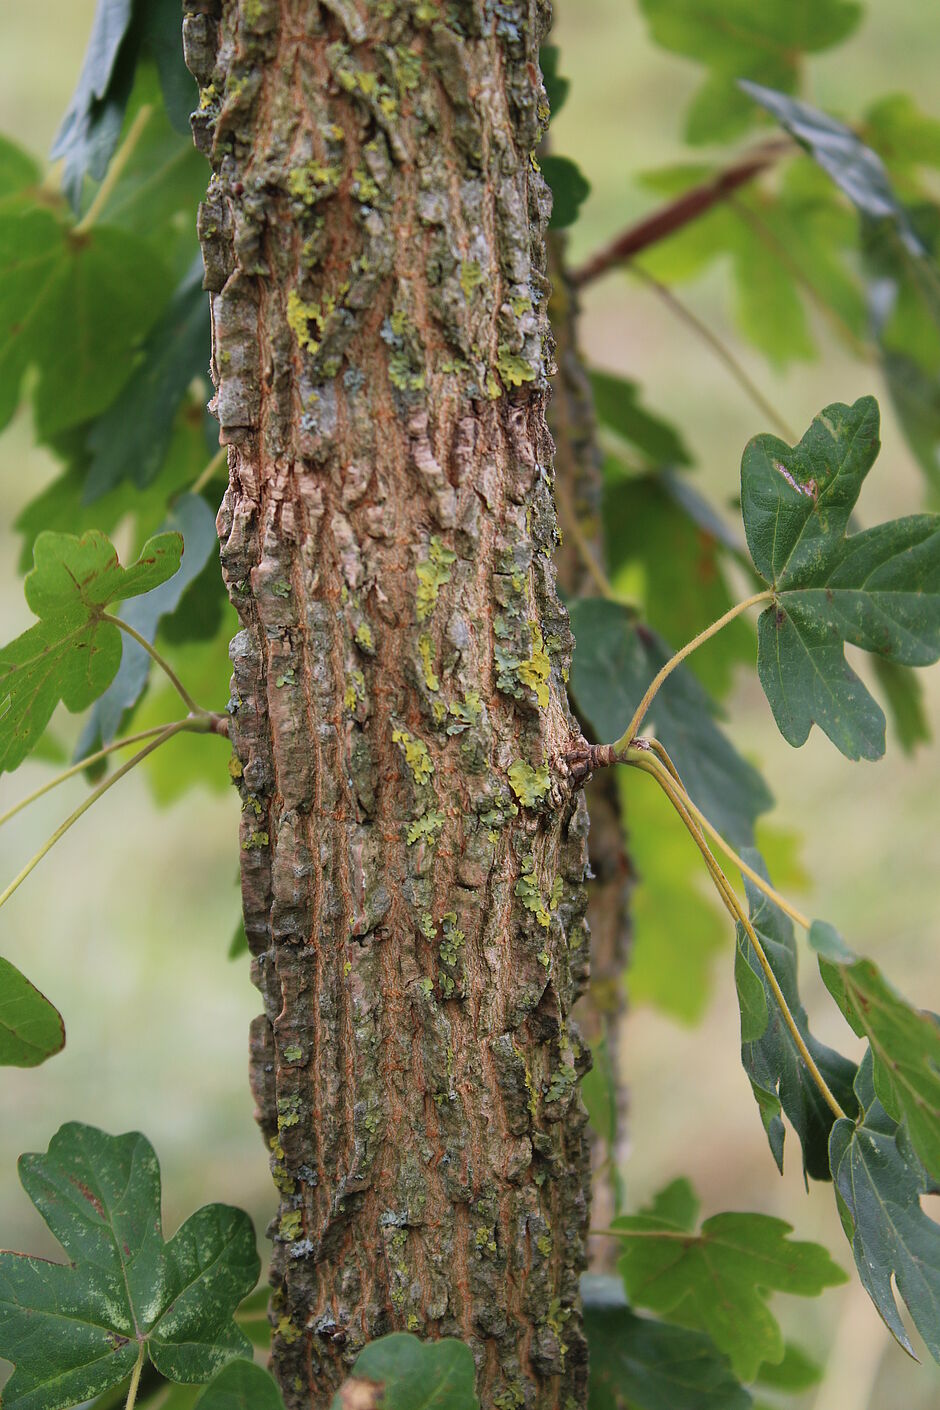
(412, 882)
(601, 1011)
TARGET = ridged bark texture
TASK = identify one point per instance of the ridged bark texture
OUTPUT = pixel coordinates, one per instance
(601, 1011)
(412, 865)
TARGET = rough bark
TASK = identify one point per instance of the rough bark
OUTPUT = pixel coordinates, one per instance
(412, 876)
(601, 1011)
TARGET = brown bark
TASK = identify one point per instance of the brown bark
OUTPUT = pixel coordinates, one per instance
(601, 1011)
(412, 871)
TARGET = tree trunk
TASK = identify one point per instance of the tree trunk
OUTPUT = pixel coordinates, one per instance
(601, 1011)
(412, 866)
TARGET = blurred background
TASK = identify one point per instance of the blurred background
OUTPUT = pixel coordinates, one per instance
(128, 926)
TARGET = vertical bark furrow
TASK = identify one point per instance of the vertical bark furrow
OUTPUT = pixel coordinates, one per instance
(412, 877)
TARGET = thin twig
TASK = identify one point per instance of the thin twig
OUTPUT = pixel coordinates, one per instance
(88, 761)
(209, 473)
(164, 665)
(723, 353)
(640, 713)
(92, 798)
(642, 761)
(680, 212)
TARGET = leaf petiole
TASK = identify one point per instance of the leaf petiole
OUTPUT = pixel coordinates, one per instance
(209, 472)
(135, 1382)
(769, 891)
(90, 759)
(118, 162)
(639, 758)
(164, 665)
(623, 744)
(202, 724)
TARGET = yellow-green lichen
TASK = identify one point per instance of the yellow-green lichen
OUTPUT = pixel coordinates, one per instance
(535, 671)
(426, 828)
(288, 1331)
(471, 276)
(309, 183)
(452, 938)
(364, 639)
(529, 785)
(288, 1112)
(528, 892)
(293, 1053)
(513, 369)
(299, 314)
(426, 652)
(355, 691)
(291, 1225)
(255, 841)
(416, 755)
(432, 574)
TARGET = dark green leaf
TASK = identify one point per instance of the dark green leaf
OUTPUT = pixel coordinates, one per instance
(31, 1030)
(74, 1330)
(91, 126)
(879, 589)
(193, 521)
(796, 1372)
(904, 697)
(72, 307)
(779, 1078)
(614, 662)
(241, 1386)
(131, 439)
(651, 1365)
(60, 505)
(570, 190)
(905, 1041)
(417, 1375)
(616, 402)
(855, 168)
(122, 32)
(161, 184)
(162, 37)
(718, 1280)
(72, 654)
(878, 1184)
(649, 524)
(555, 85)
(735, 38)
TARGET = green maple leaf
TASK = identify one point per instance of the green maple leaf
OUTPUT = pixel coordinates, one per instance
(718, 1280)
(879, 589)
(651, 1365)
(734, 38)
(879, 1182)
(73, 652)
(779, 1078)
(435, 1375)
(31, 1030)
(904, 1041)
(74, 307)
(74, 1330)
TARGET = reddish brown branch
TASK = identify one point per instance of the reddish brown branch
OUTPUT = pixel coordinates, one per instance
(682, 211)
